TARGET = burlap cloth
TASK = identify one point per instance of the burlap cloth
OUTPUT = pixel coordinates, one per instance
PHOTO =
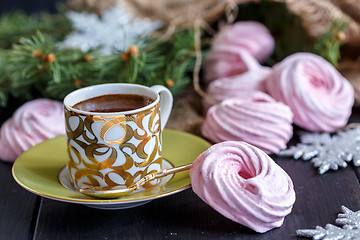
(187, 112)
(317, 15)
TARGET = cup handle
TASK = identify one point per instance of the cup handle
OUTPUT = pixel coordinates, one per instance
(166, 102)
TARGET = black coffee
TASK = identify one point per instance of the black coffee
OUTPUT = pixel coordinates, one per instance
(114, 103)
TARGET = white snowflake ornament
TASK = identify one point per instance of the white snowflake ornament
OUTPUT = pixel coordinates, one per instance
(115, 29)
(328, 151)
(350, 231)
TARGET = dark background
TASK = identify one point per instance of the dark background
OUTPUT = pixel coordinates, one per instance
(29, 6)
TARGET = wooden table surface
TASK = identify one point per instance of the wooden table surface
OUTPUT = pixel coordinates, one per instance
(24, 215)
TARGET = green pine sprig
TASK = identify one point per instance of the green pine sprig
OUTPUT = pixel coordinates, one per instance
(37, 67)
(328, 45)
(17, 24)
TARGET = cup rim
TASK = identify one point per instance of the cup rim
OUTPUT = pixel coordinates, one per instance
(88, 88)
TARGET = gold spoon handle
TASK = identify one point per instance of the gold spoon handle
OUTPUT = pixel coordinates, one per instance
(166, 172)
(121, 190)
(159, 174)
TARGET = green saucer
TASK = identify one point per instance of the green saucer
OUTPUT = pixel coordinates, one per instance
(38, 171)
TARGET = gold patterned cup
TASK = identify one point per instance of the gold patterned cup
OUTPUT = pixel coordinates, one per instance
(118, 148)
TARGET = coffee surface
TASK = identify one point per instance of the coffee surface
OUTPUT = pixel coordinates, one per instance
(114, 103)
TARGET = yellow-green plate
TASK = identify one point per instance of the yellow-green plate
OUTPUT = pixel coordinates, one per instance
(38, 169)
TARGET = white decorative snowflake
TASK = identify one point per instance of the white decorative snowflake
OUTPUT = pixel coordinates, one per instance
(326, 151)
(350, 230)
(115, 29)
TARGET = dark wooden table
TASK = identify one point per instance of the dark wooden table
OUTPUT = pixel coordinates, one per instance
(24, 215)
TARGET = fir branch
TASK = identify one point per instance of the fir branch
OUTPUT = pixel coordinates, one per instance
(4, 78)
(14, 25)
(28, 60)
(36, 66)
(328, 45)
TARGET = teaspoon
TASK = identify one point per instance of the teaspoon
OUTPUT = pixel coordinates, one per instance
(120, 191)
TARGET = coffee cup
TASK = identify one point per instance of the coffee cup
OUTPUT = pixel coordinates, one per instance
(111, 146)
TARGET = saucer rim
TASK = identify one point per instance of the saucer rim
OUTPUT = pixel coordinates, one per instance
(137, 200)
(94, 201)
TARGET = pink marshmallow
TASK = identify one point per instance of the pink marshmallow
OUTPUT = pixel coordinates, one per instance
(259, 120)
(243, 184)
(320, 98)
(224, 60)
(238, 86)
(32, 123)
